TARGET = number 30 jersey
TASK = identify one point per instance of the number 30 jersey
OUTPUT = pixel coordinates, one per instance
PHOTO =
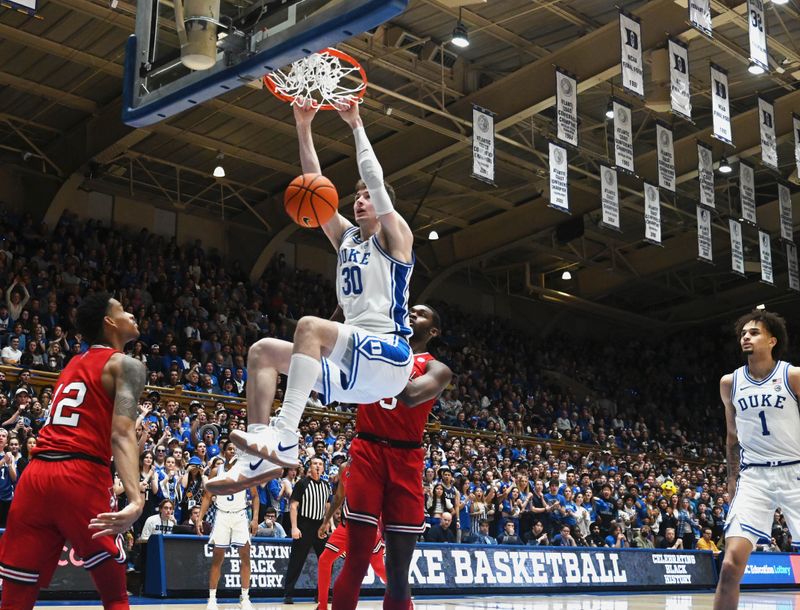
(391, 419)
(372, 286)
(79, 422)
(767, 417)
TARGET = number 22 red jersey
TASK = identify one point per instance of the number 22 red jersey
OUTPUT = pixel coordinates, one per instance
(391, 419)
(81, 412)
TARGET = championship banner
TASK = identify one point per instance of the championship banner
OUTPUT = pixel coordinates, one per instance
(680, 91)
(443, 568)
(769, 145)
(609, 195)
(652, 214)
(747, 191)
(737, 246)
(559, 190)
(796, 130)
(705, 174)
(720, 104)
(785, 206)
(704, 250)
(666, 157)
(794, 273)
(623, 136)
(765, 249)
(630, 30)
(482, 144)
(757, 29)
(566, 107)
(700, 15)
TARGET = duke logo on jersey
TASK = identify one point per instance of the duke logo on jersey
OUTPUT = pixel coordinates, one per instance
(767, 417)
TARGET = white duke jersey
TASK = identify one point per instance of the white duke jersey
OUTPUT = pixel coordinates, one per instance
(767, 417)
(372, 286)
(231, 503)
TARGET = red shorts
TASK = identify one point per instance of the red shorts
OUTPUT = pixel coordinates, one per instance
(55, 502)
(337, 541)
(385, 483)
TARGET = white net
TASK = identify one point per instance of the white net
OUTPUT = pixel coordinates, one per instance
(318, 78)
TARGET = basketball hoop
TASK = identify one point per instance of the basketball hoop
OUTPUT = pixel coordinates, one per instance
(318, 78)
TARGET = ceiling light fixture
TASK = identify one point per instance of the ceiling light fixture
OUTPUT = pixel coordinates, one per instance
(724, 166)
(761, 306)
(780, 1)
(460, 35)
(219, 171)
(755, 69)
(433, 235)
(610, 110)
(566, 275)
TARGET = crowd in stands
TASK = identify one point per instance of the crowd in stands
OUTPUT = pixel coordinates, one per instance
(628, 452)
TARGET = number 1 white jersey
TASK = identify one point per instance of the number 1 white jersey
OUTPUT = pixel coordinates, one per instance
(767, 417)
(372, 286)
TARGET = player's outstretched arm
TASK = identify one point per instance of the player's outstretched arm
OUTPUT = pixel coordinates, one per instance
(304, 113)
(129, 377)
(395, 233)
(731, 437)
(430, 385)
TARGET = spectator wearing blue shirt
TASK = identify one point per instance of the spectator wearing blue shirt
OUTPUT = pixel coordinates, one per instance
(605, 509)
(173, 357)
(564, 537)
(556, 500)
(483, 536)
(570, 509)
(616, 538)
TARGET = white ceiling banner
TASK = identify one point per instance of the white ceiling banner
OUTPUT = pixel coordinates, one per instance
(566, 107)
(704, 249)
(705, 175)
(765, 249)
(666, 157)
(747, 191)
(483, 152)
(737, 246)
(794, 273)
(680, 91)
(757, 28)
(652, 214)
(785, 206)
(623, 136)
(700, 15)
(609, 195)
(630, 30)
(720, 104)
(796, 130)
(559, 189)
(769, 144)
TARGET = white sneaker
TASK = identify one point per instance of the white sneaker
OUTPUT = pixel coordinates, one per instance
(246, 604)
(275, 444)
(249, 470)
(212, 605)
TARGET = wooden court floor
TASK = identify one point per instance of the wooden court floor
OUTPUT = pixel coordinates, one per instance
(766, 600)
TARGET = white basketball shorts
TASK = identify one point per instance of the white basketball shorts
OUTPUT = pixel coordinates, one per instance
(759, 491)
(364, 367)
(230, 529)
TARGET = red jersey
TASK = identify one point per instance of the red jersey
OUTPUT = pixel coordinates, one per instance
(81, 412)
(391, 419)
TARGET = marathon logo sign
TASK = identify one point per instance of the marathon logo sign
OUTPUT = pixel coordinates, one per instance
(445, 569)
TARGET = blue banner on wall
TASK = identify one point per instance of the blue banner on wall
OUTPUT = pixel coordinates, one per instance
(772, 569)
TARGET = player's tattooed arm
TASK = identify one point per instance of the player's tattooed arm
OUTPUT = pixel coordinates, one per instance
(131, 378)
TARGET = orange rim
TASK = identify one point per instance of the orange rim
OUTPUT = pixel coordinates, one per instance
(273, 87)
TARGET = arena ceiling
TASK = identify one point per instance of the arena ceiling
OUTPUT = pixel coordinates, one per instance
(61, 80)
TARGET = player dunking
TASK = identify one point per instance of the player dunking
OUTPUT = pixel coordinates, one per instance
(232, 529)
(385, 473)
(357, 362)
(763, 446)
(67, 488)
(338, 543)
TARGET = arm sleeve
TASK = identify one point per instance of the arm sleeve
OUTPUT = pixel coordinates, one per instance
(371, 173)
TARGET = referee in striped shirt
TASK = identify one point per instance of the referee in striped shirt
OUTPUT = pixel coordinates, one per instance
(307, 507)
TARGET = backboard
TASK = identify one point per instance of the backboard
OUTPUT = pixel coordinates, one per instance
(245, 39)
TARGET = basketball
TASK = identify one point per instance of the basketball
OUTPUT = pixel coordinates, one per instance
(311, 200)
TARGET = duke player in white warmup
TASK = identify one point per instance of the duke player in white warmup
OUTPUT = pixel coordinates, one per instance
(763, 446)
(361, 361)
(232, 529)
